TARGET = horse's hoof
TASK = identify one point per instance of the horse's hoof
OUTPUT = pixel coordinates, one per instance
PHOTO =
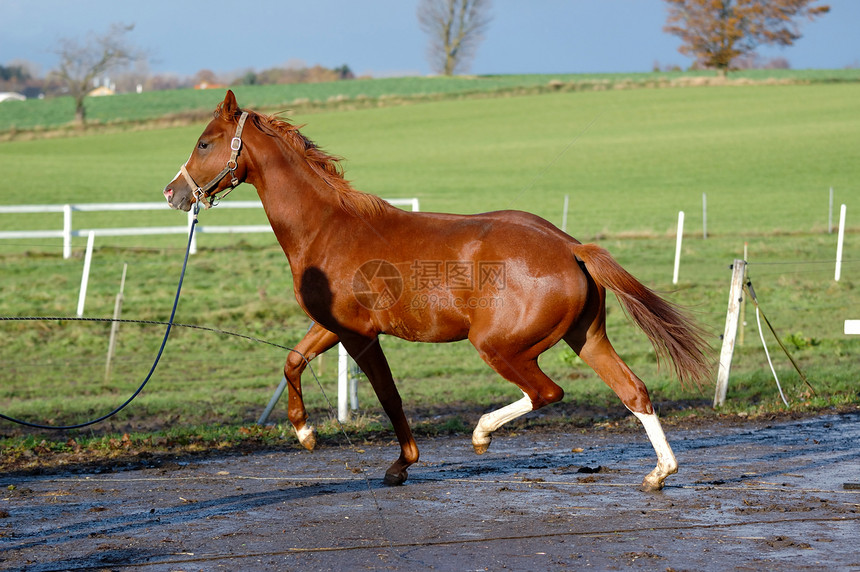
(394, 479)
(654, 480)
(307, 437)
(481, 441)
(651, 485)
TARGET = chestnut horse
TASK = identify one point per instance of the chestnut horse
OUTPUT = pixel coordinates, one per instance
(509, 281)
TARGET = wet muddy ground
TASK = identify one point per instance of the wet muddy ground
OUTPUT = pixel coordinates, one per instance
(758, 496)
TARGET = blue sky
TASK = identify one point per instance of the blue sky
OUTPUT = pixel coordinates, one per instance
(382, 38)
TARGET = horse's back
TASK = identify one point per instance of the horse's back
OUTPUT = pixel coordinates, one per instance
(512, 273)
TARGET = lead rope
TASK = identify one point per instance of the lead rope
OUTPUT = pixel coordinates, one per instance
(170, 324)
(154, 364)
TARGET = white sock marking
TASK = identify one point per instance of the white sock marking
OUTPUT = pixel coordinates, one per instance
(665, 457)
(304, 433)
(489, 422)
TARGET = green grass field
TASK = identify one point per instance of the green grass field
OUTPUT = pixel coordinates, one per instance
(59, 112)
(629, 160)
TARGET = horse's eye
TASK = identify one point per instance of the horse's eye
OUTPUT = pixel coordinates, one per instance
(201, 145)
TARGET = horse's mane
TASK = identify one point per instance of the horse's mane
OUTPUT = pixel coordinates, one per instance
(326, 166)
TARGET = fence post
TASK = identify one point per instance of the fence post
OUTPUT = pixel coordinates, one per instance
(743, 320)
(67, 231)
(735, 298)
(342, 383)
(678, 247)
(85, 277)
(273, 401)
(114, 325)
(193, 248)
(839, 242)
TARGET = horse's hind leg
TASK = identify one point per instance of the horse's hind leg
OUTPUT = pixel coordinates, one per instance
(666, 463)
(538, 390)
(315, 342)
(367, 353)
(482, 436)
(598, 353)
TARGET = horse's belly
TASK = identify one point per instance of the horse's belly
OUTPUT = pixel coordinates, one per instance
(427, 325)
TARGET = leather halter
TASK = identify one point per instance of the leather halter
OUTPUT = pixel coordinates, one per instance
(201, 193)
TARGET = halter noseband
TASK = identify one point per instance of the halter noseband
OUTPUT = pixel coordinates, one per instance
(201, 193)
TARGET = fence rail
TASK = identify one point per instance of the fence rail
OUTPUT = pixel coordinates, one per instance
(68, 231)
(346, 384)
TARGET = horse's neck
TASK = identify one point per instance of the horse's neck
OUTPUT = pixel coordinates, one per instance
(300, 206)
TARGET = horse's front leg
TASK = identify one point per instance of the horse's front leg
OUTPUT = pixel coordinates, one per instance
(315, 342)
(367, 353)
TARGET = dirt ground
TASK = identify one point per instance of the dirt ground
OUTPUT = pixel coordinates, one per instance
(783, 495)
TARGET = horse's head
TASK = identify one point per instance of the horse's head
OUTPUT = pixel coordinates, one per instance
(215, 156)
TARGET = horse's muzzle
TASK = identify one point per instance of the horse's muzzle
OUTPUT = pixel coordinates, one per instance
(177, 202)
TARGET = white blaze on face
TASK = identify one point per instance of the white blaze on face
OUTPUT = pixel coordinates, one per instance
(185, 164)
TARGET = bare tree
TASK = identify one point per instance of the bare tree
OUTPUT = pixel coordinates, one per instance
(455, 28)
(716, 32)
(80, 63)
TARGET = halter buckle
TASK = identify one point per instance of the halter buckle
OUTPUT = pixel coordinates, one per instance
(200, 197)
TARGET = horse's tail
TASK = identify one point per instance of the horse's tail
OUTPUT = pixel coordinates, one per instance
(674, 335)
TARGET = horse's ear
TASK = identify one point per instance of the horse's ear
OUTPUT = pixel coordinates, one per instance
(229, 107)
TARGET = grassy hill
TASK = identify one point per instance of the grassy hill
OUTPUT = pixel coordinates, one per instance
(765, 154)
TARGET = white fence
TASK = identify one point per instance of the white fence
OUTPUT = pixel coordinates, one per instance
(68, 231)
(347, 392)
